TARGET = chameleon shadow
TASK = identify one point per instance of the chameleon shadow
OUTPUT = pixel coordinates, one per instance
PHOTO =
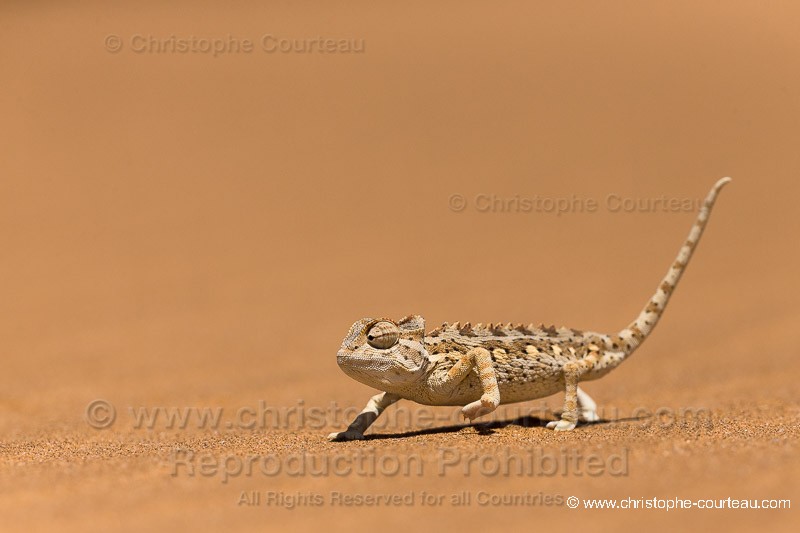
(488, 428)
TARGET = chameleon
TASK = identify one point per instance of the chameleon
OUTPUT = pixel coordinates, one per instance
(482, 366)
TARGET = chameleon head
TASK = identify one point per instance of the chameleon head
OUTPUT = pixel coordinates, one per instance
(385, 354)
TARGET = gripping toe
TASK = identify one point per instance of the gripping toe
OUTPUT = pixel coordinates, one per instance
(345, 436)
(561, 425)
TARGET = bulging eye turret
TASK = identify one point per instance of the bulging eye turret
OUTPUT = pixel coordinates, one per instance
(383, 335)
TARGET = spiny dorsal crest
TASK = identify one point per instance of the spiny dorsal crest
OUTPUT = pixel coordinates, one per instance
(438, 331)
(550, 330)
(498, 330)
(502, 330)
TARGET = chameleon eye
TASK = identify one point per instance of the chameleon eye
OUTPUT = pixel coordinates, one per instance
(383, 335)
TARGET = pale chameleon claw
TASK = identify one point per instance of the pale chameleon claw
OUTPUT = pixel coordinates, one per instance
(561, 425)
(590, 416)
(478, 408)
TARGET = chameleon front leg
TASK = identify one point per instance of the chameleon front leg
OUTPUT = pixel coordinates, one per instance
(375, 406)
(480, 359)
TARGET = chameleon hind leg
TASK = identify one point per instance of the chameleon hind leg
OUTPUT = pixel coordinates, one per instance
(569, 416)
(574, 397)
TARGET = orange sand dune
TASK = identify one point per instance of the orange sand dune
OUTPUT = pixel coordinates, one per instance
(191, 219)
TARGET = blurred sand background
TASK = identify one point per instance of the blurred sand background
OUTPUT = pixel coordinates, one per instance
(179, 229)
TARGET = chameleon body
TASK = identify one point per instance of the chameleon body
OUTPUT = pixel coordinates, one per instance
(483, 366)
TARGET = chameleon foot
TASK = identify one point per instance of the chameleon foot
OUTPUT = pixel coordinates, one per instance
(561, 425)
(346, 435)
(590, 416)
(478, 408)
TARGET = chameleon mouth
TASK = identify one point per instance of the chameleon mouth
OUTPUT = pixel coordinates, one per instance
(348, 354)
(355, 363)
(346, 357)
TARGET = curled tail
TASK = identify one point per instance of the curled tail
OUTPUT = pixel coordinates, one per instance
(639, 329)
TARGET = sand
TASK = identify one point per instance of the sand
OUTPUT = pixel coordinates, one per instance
(184, 230)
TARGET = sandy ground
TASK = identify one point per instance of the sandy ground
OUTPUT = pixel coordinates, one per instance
(180, 230)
